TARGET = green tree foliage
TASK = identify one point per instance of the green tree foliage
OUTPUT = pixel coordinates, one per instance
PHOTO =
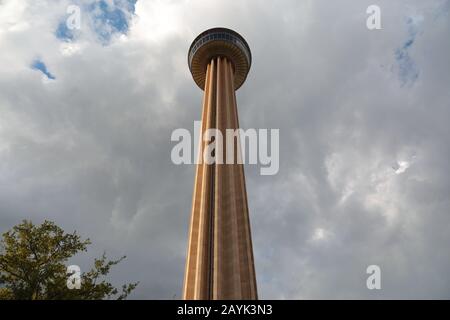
(32, 266)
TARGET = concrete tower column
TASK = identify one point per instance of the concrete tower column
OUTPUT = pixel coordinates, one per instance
(219, 263)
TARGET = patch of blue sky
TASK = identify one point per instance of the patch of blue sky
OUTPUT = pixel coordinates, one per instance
(105, 18)
(127, 5)
(408, 72)
(64, 33)
(40, 66)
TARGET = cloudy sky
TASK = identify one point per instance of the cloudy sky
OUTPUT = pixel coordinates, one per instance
(86, 117)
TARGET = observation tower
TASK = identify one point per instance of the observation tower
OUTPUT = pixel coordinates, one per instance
(219, 261)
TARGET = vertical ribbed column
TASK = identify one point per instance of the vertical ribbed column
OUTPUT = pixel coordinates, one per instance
(244, 239)
(197, 273)
(219, 262)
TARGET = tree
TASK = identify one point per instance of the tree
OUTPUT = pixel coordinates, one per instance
(32, 266)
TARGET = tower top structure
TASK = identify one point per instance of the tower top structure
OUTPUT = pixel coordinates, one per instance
(219, 42)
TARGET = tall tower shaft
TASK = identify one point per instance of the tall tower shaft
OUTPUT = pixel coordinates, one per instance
(219, 262)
